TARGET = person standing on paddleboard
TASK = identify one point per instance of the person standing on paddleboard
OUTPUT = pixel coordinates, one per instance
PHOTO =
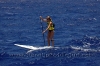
(50, 29)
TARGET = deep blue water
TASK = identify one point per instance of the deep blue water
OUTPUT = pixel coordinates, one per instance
(77, 32)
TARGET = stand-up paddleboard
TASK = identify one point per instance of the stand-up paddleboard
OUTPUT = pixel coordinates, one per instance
(32, 47)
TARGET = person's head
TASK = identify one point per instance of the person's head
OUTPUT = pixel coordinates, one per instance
(48, 19)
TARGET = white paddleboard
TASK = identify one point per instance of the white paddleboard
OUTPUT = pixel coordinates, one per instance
(32, 47)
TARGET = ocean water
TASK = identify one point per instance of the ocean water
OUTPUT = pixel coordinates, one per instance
(77, 33)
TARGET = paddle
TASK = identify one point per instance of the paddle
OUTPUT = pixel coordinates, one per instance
(42, 31)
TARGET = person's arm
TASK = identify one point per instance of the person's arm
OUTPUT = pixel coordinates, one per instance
(45, 20)
(47, 28)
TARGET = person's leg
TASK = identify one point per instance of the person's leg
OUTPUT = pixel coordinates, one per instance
(48, 38)
(51, 37)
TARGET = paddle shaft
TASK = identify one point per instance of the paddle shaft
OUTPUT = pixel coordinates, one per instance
(42, 31)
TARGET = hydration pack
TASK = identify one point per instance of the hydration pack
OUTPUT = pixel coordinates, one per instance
(53, 25)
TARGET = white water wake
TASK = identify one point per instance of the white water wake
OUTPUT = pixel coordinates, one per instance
(85, 49)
